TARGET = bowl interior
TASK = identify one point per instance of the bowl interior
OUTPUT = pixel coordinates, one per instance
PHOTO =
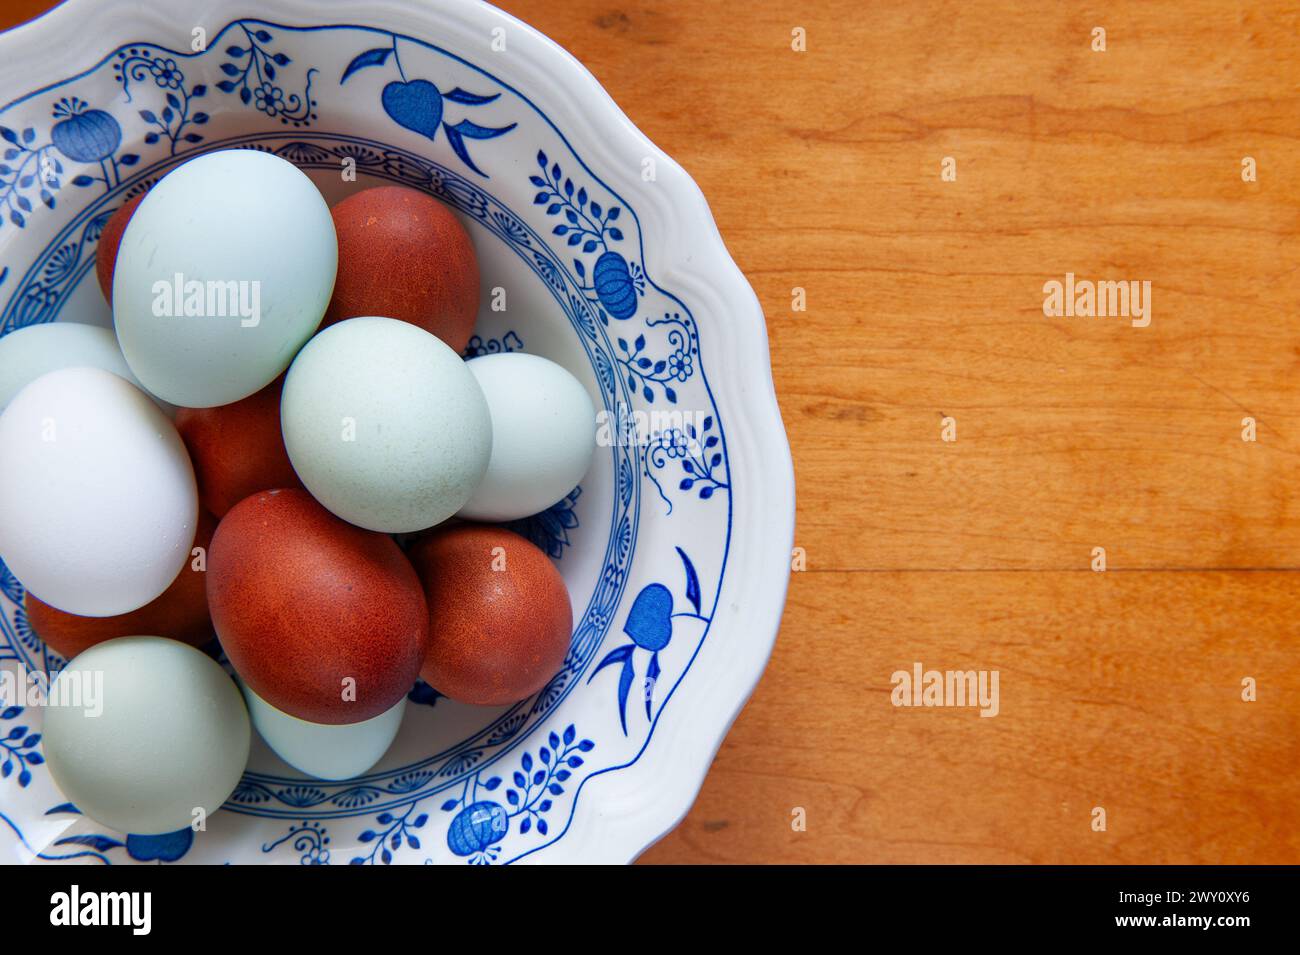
(561, 261)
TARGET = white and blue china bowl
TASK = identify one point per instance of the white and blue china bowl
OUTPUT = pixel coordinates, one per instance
(604, 256)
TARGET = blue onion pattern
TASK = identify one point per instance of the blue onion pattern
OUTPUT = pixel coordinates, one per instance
(613, 283)
(85, 135)
(588, 227)
(477, 827)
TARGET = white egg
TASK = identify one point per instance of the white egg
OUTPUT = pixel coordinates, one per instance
(27, 353)
(146, 731)
(223, 272)
(543, 436)
(98, 506)
(325, 751)
(385, 425)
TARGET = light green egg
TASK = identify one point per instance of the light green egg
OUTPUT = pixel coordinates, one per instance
(385, 425)
(223, 272)
(28, 353)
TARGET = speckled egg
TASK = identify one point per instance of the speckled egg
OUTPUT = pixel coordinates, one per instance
(500, 619)
(322, 620)
(436, 286)
(385, 425)
(180, 613)
(237, 449)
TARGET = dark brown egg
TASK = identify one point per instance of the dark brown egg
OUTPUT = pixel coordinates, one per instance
(237, 449)
(323, 620)
(499, 614)
(109, 240)
(179, 612)
(405, 255)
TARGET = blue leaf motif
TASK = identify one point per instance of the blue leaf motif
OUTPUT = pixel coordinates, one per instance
(617, 655)
(100, 843)
(649, 622)
(416, 106)
(692, 580)
(456, 137)
(624, 687)
(621, 655)
(369, 58)
(459, 95)
(651, 675)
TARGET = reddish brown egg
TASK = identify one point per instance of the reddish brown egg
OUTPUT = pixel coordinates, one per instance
(179, 612)
(237, 449)
(109, 240)
(404, 255)
(499, 614)
(323, 620)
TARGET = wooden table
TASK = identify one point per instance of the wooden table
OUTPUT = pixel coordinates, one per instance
(1120, 690)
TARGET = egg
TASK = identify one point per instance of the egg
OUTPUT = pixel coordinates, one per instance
(98, 505)
(237, 449)
(27, 353)
(109, 241)
(436, 286)
(180, 613)
(323, 620)
(223, 272)
(147, 731)
(543, 436)
(323, 750)
(500, 619)
(385, 425)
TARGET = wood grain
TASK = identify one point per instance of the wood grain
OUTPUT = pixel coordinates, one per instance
(1121, 689)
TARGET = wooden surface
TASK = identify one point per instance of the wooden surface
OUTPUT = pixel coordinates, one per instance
(1121, 689)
